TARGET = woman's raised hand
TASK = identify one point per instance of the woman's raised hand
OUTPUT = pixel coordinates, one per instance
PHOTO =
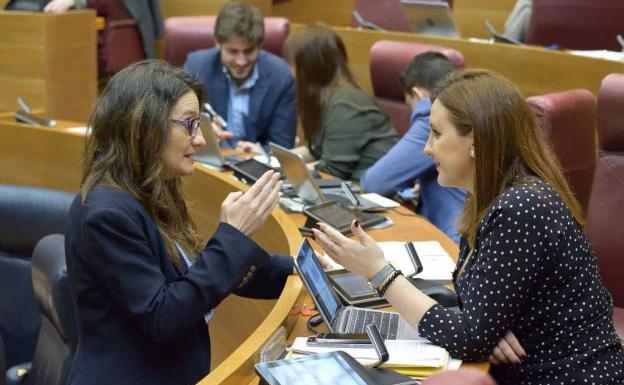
(362, 256)
(248, 211)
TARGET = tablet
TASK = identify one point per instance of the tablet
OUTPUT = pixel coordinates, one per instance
(249, 170)
(320, 369)
(353, 289)
(340, 217)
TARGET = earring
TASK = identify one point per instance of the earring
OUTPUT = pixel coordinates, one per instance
(472, 153)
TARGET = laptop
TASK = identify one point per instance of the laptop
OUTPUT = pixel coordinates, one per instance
(210, 154)
(340, 318)
(309, 189)
(430, 17)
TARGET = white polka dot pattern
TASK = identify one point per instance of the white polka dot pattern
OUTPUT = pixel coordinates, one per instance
(532, 272)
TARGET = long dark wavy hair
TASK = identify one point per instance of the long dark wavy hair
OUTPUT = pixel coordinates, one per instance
(509, 145)
(321, 63)
(130, 129)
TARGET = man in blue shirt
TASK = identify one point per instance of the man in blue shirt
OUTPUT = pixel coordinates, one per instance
(250, 88)
(406, 164)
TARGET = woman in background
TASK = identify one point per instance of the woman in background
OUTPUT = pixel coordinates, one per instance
(144, 281)
(531, 298)
(345, 130)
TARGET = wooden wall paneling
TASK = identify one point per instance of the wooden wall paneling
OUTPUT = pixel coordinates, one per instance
(534, 69)
(204, 7)
(331, 12)
(470, 15)
(50, 60)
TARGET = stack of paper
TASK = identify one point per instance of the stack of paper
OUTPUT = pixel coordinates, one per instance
(416, 358)
(437, 264)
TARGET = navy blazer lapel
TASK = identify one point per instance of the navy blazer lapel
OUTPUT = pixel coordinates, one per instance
(219, 93)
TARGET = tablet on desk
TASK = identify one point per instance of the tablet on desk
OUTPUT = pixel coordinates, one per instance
(340, 217)
(353, 289)
(249, 170)
(335, 368)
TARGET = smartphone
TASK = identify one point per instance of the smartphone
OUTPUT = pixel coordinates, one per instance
(28, 118)
(337, 338)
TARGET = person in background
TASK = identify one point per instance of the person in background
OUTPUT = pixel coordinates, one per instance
(146, 13)
(530, 294)
(251, 88)
(345, 130)
(406, 163)
(143, 280)
(517, 24)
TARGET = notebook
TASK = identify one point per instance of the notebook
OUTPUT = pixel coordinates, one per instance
(430, 17)
(307, 187)
(340, 318)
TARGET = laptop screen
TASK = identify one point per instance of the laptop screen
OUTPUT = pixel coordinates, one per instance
(315, 279)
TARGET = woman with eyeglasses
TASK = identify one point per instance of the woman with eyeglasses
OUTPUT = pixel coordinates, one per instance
(143, 280)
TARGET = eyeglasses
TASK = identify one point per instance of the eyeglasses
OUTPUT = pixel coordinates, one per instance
(191, 125)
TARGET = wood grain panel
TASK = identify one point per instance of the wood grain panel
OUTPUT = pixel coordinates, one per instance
(54, 53)
(204, 7)
(534, 69)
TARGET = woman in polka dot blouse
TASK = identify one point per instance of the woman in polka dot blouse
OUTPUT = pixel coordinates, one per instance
(531, 297)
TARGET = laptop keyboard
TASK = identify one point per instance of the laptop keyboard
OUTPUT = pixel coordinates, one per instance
(387, 323)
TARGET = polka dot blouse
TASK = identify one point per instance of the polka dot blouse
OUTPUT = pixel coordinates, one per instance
(532, 271)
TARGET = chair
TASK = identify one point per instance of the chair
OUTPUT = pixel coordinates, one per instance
(605, 219)
(576, 24)
(119, 43)
(568, 120)
(27, 215)
(58, 335)
(460, 377)
(186, 34)
(387, 60)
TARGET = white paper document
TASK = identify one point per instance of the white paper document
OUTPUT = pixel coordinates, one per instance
(403, 353)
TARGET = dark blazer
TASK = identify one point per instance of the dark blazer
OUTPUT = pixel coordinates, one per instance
(272, 113)
(141, 320)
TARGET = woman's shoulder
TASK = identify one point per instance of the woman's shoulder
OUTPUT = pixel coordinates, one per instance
(532, 200)
(111, 200)
(349, 93)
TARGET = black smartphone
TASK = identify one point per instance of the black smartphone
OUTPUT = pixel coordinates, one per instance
(338, 338)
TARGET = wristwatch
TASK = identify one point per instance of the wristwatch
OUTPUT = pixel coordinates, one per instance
(381, 277)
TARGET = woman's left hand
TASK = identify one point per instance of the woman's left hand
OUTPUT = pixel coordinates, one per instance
(362, 256)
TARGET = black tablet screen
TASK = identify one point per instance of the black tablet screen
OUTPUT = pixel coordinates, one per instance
(353, 284)
(319, 369)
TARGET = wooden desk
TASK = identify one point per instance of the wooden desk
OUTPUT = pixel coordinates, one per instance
(205, 7)
(469, 15)
(50, 158)
(49, 60)
(535, 70)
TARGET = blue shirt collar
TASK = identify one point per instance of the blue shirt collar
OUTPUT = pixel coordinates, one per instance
(247, 84)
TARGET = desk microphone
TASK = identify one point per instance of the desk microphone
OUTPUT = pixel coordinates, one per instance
(214, 116)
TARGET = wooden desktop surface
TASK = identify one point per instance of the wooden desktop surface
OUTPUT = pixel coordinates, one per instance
(50, 158)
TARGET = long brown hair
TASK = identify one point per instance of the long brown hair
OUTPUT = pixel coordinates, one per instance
(321, 63)
(130, 129)
(509, 145)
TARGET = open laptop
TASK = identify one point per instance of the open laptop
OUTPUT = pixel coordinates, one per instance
(210, 154)
(430, 17)
(308, 188)
(340, 318)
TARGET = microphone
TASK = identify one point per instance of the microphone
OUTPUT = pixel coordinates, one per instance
(214, 116)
